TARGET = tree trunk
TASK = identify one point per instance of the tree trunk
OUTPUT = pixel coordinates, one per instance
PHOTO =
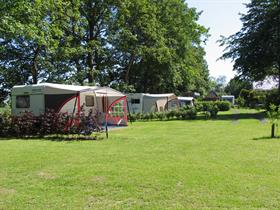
(90, 68)
(90, 57)
(273, 130)
(130, 63)
(34, 68)
(79, 70)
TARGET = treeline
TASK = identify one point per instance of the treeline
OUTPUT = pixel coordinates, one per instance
(142, 45)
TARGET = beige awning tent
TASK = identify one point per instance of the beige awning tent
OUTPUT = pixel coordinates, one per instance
(158, 102)
(145, 102)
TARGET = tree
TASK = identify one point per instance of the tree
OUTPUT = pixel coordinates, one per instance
(236, 84)
(142, 45)
(255, 49)
(158, 44)
(29, 32)
(218, 84)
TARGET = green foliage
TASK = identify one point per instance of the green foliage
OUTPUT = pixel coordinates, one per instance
(143, 46)
(273, 114)
(272, 97)
(252, 98)
(202, 106)
(30, 32)
(235, 86)
(240, 102)
(223, 105)
(184, 113)
(217, 84)
(255, 48)
(49, 123)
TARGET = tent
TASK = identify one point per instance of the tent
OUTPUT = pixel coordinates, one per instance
(145, 102)
(108, 104)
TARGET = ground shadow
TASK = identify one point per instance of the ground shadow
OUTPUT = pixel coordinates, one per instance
(241, 116)
(53, 138)
(266, 138)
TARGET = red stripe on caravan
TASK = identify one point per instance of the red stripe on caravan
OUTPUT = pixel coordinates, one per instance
(66, 101)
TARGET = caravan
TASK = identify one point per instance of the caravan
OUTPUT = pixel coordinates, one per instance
(108, 104)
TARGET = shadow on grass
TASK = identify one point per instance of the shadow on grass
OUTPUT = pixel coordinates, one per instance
(266, 138)
(235, 116)
(221, 116)
(53, 138)
(241, 116)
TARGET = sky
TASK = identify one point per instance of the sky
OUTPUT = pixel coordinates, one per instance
(222, 17)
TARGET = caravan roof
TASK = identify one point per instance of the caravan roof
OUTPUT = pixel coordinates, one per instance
(180, 98)
(159, 95)
(52, 88)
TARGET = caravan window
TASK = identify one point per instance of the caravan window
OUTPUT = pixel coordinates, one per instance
(135, 101)
(89, 101)
(23, 101)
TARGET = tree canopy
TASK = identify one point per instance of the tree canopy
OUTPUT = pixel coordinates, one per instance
(235, 86)
(145, 45)
(255, 49)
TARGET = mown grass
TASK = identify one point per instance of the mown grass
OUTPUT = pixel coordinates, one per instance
(223, 163)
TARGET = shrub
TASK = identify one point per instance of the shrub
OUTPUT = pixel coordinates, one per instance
(208, 108)
(192, 113)
(160, 115)
(240, 102)
(274, 115)
(223, 105)
(48, 123)
(25, 125)
(5, 123)
(171, 114)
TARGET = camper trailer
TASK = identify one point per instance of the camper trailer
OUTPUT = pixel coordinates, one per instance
(108, 104)
(229, 98)
(186, 101)
(145, 102)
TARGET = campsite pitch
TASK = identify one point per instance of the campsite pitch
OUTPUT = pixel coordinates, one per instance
(150, 165)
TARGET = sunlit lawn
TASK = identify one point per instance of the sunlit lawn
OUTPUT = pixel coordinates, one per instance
(224, 163)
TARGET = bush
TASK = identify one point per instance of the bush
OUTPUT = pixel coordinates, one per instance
(48, 123)
(240, 102)
(209, 108)
(187, 112)
(223, 105)
(5, 123)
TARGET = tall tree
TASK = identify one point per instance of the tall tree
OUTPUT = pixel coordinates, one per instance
(255, 49)
(28, 36)
(149, 45)
(158, 44)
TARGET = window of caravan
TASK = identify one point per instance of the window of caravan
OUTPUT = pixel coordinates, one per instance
(118, 109)
(23, 101)
(135, 101)
(89, 101)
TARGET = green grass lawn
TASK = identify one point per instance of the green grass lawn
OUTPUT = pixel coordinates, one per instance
(224, 163)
